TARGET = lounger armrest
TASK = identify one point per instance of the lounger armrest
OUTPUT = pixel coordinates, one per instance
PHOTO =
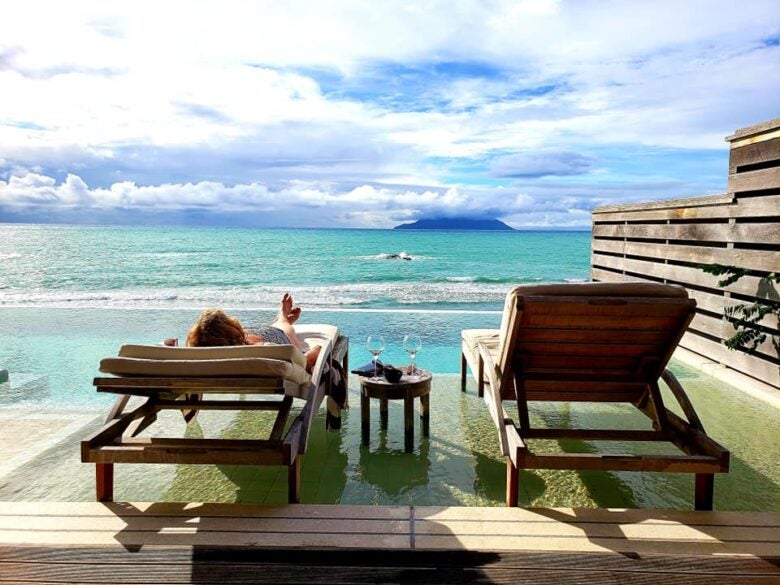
(682, 399)
(493, 397)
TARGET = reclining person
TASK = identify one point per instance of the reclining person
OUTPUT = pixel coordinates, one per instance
(216, 328)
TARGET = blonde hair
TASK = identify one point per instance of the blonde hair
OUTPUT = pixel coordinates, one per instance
(214, 327)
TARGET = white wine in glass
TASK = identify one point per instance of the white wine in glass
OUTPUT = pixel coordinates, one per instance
(375, 344)
(412, 344)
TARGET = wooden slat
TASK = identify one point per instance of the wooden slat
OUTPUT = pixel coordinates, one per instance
(764, 206)
(597, 515)
(765, 260)
(608, 323)
(748, 285)
(762, 131)
(575, 394)
(428, 567)
(623, 462)
(712, 301)
(221, 404)
(597, 336)
(755, 180)
(760, 152)
(181, 382)
(596, 434)
(766, 233)
(642, 531)
(598, 545)
(602, 361)
(201, 510)
(722, 329)
(704, 201)
(754, 366)
(151, 523)
(605, 306)
(586, 349)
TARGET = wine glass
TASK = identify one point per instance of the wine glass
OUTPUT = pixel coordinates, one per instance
(375, 344)
(412, 344)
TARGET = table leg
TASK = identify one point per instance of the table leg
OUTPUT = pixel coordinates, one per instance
(365, 416)
(383, 413)
(425, 413)
(409, 422)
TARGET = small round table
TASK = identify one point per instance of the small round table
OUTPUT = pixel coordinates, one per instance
(407, 389)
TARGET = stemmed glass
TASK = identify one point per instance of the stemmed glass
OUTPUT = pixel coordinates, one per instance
(412, 344)
(375, 344)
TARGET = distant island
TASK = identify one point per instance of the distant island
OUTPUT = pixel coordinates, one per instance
(455, 223)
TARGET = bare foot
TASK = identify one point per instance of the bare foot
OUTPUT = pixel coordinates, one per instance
(294, 315)
(311, 357)
(286, 306)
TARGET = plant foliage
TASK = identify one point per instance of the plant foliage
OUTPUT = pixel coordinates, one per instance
(745, 317)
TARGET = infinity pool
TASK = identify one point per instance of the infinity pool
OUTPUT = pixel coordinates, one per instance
(50, 405)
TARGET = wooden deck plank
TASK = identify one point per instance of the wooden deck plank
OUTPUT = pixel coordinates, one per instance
(594, 544)
(184, 537)
(67, 509)
(665, 532)
(206, 524)
(152, 555)
(230, 565)
(611, 515)
(90, 542)
(353, 575)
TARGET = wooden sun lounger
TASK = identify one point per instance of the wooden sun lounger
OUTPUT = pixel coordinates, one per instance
(594, 342)
(194, 379)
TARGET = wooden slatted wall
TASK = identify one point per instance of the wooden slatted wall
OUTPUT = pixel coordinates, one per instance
(665, 241)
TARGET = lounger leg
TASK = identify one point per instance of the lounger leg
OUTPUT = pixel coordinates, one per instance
(365, 417)
(294, 482)
(383, 414)
(425, 414)
(705, 486)
(345, 363)
(512, 484)
(463, 366)
(104, 482)
(481, 378)
(409, 422)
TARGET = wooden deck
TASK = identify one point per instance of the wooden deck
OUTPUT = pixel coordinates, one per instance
(51, 542)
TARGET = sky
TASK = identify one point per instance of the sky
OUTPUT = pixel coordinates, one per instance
(369, 114)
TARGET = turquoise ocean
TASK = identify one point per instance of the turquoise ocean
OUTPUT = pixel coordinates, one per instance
(71, 294)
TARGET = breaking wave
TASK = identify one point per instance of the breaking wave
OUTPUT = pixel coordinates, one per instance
(364, 294)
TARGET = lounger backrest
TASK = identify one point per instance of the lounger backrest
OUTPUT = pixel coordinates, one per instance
(590, 342)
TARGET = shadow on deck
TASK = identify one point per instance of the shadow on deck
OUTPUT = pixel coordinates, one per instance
(67, 542)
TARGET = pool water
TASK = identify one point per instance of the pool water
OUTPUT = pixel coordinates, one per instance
(458, 464)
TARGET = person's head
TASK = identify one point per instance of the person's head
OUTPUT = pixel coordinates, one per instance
(213, 328)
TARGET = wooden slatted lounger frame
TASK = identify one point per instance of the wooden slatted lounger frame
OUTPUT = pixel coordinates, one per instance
(596, 342)
(117, 440)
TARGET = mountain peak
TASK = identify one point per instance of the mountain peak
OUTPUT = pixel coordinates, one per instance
(456, 223)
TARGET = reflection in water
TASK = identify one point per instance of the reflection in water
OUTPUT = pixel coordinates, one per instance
(394, 471)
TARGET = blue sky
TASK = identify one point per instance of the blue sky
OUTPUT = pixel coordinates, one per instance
(369, 114)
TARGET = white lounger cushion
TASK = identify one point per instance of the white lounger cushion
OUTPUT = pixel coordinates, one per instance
(266, 361)
(286, 353)
(206, 368)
